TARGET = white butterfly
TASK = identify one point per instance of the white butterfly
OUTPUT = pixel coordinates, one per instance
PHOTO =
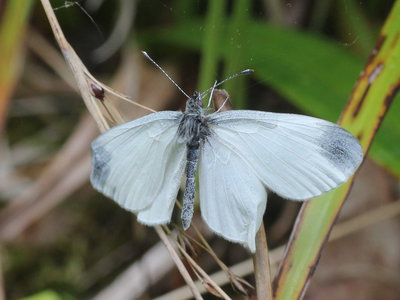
(241, 155)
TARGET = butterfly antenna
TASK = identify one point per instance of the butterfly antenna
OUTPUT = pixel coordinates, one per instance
(165, 73)
(244, 72)
(223, 104)
(211, 93)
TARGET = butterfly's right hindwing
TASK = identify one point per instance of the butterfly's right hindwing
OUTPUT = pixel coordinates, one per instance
(232, 198)
(140, 164)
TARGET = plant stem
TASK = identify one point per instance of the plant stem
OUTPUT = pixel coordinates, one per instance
(262, 272)
(178, 262)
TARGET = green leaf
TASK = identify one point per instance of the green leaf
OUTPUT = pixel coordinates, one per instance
(45, 295)
(314, 73)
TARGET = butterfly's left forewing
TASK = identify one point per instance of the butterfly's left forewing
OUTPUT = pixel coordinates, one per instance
(298, 157)
(140, 164)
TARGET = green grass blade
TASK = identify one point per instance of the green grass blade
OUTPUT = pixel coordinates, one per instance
(211, 41)
(12, 29)
(236, 52)
(363, 115)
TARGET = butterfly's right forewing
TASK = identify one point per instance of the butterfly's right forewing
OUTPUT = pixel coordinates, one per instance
(298, 157)
(140, 164)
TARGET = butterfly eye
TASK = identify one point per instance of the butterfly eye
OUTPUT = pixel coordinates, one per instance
(199, 102)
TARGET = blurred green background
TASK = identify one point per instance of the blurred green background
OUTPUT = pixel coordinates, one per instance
(307, 56)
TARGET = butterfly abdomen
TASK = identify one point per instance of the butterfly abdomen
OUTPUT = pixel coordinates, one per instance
(189, 130)
(192, 156)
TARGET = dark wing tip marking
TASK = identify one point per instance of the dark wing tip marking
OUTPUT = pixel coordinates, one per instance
(342, 149)
(100, 166)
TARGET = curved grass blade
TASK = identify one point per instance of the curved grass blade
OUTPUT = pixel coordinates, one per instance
(368, 104)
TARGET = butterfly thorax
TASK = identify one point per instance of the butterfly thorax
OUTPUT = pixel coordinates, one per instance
(193, 125)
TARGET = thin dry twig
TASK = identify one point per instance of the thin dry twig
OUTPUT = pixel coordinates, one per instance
(238, 283)
(262, 271)
(241, 269)
(185, 274)
(205, 277)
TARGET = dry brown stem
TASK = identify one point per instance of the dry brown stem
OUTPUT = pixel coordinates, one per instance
(262, 270)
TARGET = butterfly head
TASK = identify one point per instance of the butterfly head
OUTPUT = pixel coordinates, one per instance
(194, 104)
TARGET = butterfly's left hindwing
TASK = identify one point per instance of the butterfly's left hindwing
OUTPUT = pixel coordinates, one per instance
(140, 165)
